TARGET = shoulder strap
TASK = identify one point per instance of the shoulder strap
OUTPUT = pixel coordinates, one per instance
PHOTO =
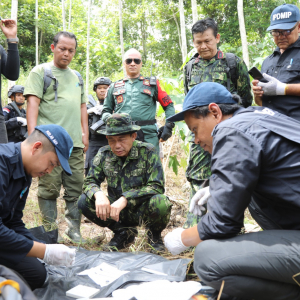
(16, 108)
(189, 66)
(48, 77)
(80, 80)
(231, 70)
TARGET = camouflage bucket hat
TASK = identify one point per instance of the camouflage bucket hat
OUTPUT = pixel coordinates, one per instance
(119, 124)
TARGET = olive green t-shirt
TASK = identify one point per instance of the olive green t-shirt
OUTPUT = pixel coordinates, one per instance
(66, 112)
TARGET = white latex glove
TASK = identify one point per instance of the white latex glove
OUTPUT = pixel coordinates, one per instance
(199, 199)
(272, 88)
(21, 120)
(97, 110)
(174, 243)
(59, 255)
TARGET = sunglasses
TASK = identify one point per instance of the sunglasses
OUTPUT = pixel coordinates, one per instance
(282, 32)
(137, 61)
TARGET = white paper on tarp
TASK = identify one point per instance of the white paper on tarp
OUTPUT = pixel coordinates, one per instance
(159, 290)
(103, 274)
(80, 291)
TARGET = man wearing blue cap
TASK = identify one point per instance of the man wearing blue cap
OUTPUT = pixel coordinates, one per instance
(282, 68)
(260, 171)
(47, 147)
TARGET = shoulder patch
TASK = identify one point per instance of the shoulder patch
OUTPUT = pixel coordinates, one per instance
(220, 54)
(146, 82)
(6, 110)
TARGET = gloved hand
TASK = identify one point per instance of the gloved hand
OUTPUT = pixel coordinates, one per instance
(199, 199)
(22, 121)
(165, 132)
(174, 243)
(59, 255)
(97, 110)
(272, 88)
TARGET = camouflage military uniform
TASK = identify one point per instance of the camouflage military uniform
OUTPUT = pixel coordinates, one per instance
(213, 70)
(139, 179)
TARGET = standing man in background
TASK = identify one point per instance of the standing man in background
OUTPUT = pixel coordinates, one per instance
(94, 110)
(137, 96)
(9, 63)
(282, 67)
(62, 103)
(210, 64)
(15, 115)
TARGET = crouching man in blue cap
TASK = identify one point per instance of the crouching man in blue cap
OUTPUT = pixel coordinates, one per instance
(47, 147)
(255, 164)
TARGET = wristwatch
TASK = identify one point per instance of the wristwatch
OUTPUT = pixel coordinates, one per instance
(15, 40)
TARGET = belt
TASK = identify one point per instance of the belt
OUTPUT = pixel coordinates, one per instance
(144, 123)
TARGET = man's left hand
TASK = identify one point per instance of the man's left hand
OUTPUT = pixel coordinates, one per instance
(116, 208)
(9, 28)
(173, 241)
(272, 88)
(166, 131)
(85, 141)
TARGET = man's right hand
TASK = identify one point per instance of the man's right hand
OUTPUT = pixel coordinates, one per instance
(257, 91)
(102, 205)
(59, 255)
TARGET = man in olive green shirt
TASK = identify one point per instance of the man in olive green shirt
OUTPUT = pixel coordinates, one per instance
(137, 96)
(62, 103)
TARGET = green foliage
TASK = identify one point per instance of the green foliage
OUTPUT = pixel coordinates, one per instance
(173, 163)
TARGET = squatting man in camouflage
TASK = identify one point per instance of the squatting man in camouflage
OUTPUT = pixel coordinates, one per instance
(135, 182)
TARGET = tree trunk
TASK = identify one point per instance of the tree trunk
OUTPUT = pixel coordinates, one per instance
(14, 16)
(194, 11)
(88, 49)
(70, 14)
(63, 14)
(243, 32)
(178, 31)
(121, 32)
(183, 34)
(36, 33)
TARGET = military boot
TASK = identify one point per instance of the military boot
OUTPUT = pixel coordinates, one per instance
(73, 219)
(122, 237)
(48, 209)
(155, 241)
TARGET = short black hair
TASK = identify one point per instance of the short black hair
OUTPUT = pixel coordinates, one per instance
(65, 34)
(202, 25)
(36, 136)
(202, 111)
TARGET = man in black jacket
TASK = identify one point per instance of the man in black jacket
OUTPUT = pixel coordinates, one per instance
(9, 63)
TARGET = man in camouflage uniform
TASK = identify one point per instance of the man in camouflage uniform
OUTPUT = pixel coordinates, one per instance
(137, 96)
(135, 182)
(210, 64)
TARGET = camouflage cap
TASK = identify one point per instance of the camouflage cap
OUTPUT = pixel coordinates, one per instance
(118, 124)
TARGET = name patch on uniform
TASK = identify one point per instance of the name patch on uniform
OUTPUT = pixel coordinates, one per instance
(120, 99)
(147, 91)
(146, 82)
(121, 83)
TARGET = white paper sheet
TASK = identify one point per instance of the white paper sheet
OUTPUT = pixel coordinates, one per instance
(103, 274)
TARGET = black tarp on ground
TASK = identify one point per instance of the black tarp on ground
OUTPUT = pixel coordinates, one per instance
(63, 279)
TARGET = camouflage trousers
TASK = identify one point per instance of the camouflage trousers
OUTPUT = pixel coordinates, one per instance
(153, 213)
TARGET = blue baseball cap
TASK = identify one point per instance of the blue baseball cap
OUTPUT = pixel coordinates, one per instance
(203, 94)
(284, 16)
(62, 142)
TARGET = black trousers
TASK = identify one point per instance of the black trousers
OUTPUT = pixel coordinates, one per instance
(32, 271)
(3, 132)
(258, 265)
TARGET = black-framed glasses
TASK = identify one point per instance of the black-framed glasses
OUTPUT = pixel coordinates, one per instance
(282, 32)
(137, 61)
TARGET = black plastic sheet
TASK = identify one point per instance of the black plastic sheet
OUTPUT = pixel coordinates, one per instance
(62, 279)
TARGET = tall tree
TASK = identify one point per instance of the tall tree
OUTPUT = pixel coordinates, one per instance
(121, 32)
(70, 14)
(88, 48)
(183, 33)
(63, 14)
(194, 11)
(240, 10)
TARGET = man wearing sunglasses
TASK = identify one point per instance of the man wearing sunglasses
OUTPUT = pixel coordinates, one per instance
(282, 68)
(137, 96)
